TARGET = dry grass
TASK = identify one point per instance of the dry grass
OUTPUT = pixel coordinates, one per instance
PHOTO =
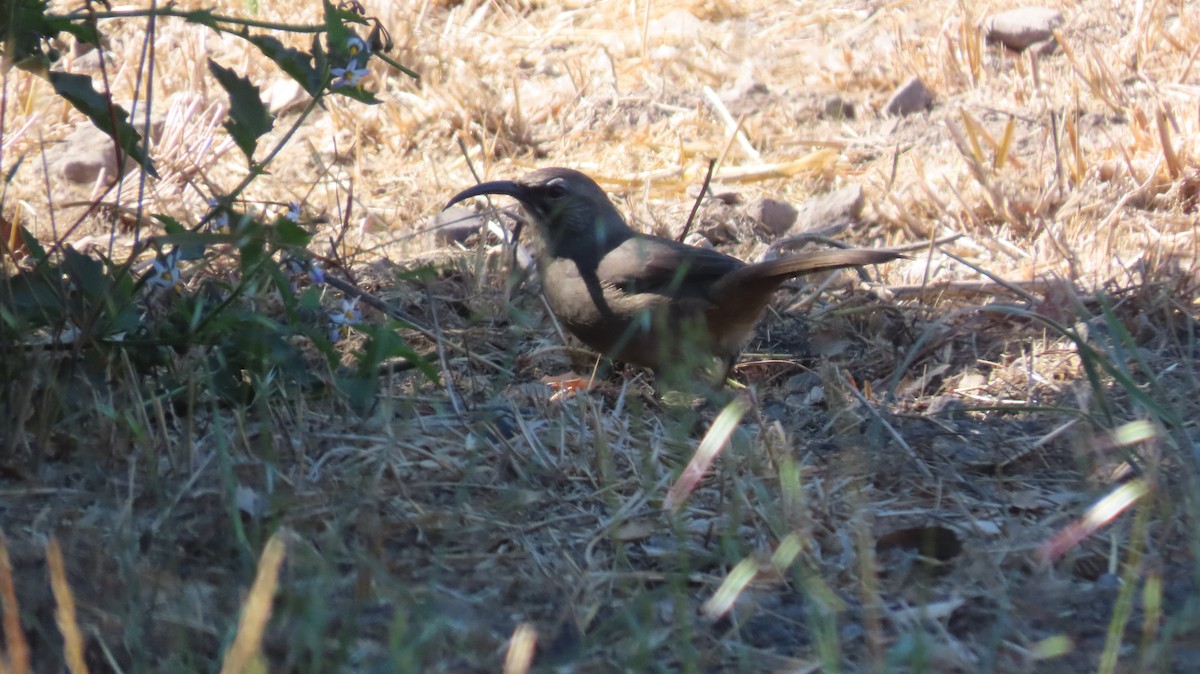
(908, 488)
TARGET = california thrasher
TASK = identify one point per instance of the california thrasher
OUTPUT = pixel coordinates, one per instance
(644, 299)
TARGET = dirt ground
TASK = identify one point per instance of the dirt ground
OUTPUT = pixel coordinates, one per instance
(977, 458)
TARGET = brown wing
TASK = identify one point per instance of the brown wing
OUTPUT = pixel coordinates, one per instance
(645, 264)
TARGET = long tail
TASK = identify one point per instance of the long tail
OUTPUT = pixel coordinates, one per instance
(774, 272)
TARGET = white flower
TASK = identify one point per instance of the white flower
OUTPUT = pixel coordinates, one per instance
(165, 273)
(355, 45)
(316, 273)
(298, 265)
(341, 321)
(219, 224)
(294, 265)
(349, 315)
(350, 76)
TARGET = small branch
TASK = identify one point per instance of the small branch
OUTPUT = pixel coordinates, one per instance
(712, 164)
(190, 16)
(352, 290)
(731, 125)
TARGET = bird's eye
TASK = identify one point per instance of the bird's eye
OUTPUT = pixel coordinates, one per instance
(556, 189)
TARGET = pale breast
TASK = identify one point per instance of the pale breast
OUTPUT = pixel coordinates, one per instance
(638, 328)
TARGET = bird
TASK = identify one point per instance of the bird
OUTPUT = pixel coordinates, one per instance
(643, 299)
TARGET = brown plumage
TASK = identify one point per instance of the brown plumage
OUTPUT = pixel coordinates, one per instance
(644, 299)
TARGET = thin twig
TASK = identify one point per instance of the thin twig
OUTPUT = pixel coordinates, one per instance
(455, 402)
(942, 288)
(891, 431)
(1000, 280)
(731, 125)
(687, 226)
(352, 290)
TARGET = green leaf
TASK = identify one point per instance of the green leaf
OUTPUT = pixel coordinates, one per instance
(12, 170)
(204, 17)
(190, 244)
(123, 319)
(294, 62)
(87, 273)
(291, 233)
(359, 390)
(248, 117)
(33, 297)
(422, 274)
(252, 252)
(320, 61)
(35, 249)
(386, 343)
(336, 32)
(83, 30)
(359, 94)
(310, 299)
(106, 115)
(24, 29)
(170, 224)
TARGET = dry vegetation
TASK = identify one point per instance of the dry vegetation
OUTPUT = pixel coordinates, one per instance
(908, 488)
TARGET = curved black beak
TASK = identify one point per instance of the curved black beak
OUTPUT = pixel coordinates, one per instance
(505, 187)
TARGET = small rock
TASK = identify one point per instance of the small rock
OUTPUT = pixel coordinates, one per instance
(87, 152)
(810, 398)
(830, 211)
(455, 224)
(1020, 28)
(86, 62)
(542, 98)
(698, 240)
(945, 406)
(802, 382)
(84, 155)
(745, 84)
(838, 108)
(776, 216)
(81, 47)
(728, 196)
(971, 380)
(721, 226)
(251, 503)
(678, 24)
(912, 96)
(283, 95)
(76, 56)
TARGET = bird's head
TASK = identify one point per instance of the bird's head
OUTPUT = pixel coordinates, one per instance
(574, 217)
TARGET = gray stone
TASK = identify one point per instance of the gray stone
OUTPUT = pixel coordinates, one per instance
(86, 62)
(83, 156)
(776, 216)
(832, 210)
(837, 107)
(87, 152)
(1018, 29)
(455, 224)
(283, 95)
(912, 96)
